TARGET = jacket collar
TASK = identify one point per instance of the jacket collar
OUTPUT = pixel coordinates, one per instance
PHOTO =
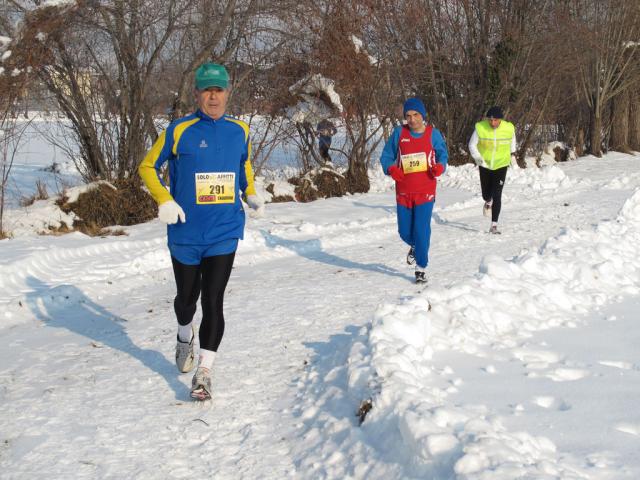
(203, 116)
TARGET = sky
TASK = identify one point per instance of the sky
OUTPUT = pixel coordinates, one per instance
(519, 359)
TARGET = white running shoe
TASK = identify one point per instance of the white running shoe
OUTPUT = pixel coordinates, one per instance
(185, 359)
(201, 384)
(486, 209)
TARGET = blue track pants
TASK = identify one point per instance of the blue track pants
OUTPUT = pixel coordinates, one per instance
(414, 227)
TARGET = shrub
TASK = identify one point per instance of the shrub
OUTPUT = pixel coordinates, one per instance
(319, 183)
(104, 206)
(40, 194)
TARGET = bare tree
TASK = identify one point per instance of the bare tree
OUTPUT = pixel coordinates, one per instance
(120, 70)
(606, 31)
(341, 53)
(20, 54)
(634, 118)
(12, 132)
(115, 66)
(620, 114)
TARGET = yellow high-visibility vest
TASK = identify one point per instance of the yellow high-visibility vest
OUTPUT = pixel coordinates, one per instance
(495, 144)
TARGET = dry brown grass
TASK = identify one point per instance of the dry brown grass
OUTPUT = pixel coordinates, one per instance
(40, 194)
(63, 229)
(364, 408)
(104, 207)
(94, 230)
(322, 183)
(330, 184)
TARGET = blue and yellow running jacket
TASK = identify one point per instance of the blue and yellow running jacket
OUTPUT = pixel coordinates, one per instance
(209, 164)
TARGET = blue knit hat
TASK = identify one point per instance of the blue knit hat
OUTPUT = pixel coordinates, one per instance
(414, 103)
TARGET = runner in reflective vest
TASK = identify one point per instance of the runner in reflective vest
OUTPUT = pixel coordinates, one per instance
(414, 156)
(493, 147)
(494, 144)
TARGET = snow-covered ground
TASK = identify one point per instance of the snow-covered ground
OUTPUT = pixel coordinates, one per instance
(519, 360)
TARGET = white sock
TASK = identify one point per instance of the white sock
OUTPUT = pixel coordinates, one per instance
(185, 333)
(206, 358)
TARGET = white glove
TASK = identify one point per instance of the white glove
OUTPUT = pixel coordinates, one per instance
(514, 160)
(257, 205)
(169, 213)
(479, 161)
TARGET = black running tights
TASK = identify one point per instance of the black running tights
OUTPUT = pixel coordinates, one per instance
(491, 183)
(210, 278)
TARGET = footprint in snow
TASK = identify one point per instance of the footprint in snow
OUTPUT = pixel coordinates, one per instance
(615, 364)
(535, 358)
(551, 403)
(630, 428)
(566, 374)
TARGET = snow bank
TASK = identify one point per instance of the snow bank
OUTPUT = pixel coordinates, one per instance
(29, 267)
(40, 218)
(529, 180)
(57, 3)
(570, 274)
(43, 216)
(412, 425)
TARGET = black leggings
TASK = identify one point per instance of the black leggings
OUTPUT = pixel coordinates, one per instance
(210, 278)
(491, 183)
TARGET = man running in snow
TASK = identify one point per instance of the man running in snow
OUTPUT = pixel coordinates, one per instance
(209, 157)
(415, 155)
(493, 147)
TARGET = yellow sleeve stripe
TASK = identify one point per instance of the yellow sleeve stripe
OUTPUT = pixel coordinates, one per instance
(149, 174)
(244, 126)
(248, 170)
(179, 130)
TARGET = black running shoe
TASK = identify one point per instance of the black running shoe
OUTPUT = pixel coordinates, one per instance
(421, 277)
(411, 256)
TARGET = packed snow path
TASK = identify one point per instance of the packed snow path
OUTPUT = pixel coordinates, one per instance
(90, 390)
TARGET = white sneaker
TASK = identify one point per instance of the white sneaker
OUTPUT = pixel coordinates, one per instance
(185, 359)
(201, 384)
(486, 209)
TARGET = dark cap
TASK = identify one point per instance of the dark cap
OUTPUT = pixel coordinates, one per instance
(495, 112)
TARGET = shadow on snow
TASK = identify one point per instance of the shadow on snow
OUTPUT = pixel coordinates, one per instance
(93, 321)
(312, 250)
